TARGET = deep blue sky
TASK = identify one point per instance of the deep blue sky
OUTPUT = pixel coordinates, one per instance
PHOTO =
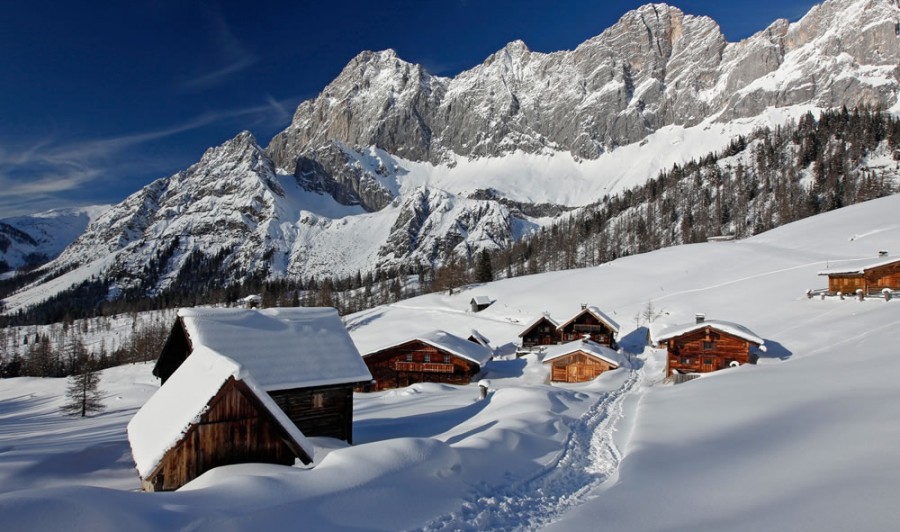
(98, 98)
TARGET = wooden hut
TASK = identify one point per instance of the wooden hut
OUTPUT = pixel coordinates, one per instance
(542, 331)
(589, 321)
(437, 356)
(303, 358)
(708, 345)
(209, 414)
(580, 361)
(479, 303)
(870, 276)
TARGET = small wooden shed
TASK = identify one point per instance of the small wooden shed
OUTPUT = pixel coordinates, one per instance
(591, 321)
(708, 345)
(479, 303)
(210, 413)
(542, 331)
(871, 276)
(437, 356)
(580, 361)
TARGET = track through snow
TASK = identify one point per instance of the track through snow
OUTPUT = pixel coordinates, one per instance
(589, 457)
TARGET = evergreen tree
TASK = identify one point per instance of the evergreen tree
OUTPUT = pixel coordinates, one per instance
(83, 394)
(485, 272)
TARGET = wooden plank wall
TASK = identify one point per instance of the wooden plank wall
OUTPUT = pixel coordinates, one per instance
(578, 367)
(232, 431)
(386, 374)
(321, 411)
(688, 353)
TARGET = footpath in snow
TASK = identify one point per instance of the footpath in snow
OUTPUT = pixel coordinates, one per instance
(588, 458)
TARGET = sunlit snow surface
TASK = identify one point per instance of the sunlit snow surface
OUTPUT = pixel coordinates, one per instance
(806, 440)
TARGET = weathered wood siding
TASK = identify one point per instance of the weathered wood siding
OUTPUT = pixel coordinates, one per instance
(578, 367)
(872, 281)
(235, 429)
(584, 324)
(416, 361)
(175, 351)
(541, 333)
(706, 350)
(322, 411)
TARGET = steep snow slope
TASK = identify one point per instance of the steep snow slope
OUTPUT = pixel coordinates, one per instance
(806, 439)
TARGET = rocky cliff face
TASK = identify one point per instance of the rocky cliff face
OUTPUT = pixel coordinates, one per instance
(657, 66)
(360, 178)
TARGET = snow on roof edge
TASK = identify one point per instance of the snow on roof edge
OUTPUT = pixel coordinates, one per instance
(587, 346)
(725, 326)
(430, 339)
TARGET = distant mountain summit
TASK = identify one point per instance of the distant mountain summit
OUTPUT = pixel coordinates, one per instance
(392, 166)
(33, 240)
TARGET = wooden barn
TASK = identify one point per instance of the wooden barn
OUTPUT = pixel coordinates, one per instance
(870, 276)
(542, 331)
(301, 361)
(437, 356)
(591, 321)
(209, 414)
(580, 361)
(708, 345)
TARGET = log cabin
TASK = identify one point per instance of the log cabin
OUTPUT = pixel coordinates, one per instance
(542, 331)
(592, 321)
(436, 356)
(210, 413)
(580, 361)
(302, 358)
(708, 345)
(871, 276)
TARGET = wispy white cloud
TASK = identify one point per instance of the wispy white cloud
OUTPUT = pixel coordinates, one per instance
(44, 170)
(234, 56)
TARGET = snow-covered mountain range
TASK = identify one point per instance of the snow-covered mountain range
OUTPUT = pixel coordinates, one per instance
(31, 240)
(392, 166)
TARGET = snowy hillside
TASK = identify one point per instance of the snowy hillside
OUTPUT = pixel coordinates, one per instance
(805, 440)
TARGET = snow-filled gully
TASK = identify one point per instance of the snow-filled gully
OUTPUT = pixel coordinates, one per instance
(588, 458)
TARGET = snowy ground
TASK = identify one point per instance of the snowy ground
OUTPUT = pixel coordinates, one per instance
(806, 440)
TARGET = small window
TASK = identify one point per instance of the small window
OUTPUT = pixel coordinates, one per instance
(707, 346)
(427, 358)
(685, 360)
(318, 400)
(709, 361)
(409, 357)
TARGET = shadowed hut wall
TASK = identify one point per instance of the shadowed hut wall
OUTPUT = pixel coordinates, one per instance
(321, 411)
(175, 351)
(541, 333)
(584, 324)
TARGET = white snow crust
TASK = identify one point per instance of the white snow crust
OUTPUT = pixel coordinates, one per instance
(282, 348)
(592, 348)
(451, 343)
(666, 332)
(806, 439)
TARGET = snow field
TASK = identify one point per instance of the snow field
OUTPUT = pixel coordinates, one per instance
(806, 440)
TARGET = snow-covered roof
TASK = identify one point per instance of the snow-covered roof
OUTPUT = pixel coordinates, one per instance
(282, 348)
(850, 267)
(480, 338)
(591, 348)
(671, 331)
(597, 313)
(450, 343)
(481, 300)
(169, 413)
(533, 324)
